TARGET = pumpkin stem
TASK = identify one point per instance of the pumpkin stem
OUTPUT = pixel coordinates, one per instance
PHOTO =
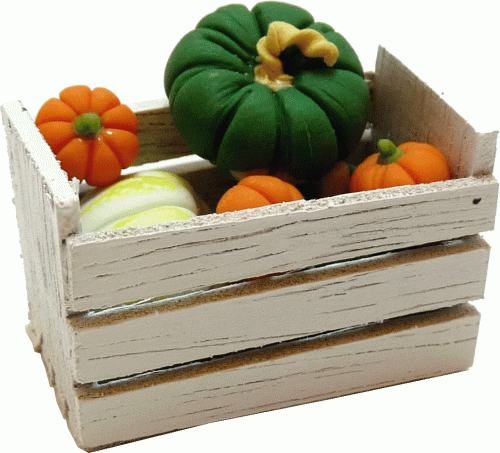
(280, 36)
(87, 125)
(389, 152)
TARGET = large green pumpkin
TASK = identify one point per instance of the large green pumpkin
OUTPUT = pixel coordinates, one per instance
(229, 118)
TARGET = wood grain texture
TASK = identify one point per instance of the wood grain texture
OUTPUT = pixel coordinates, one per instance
(407, 349)
(147, 336)
(23, 137)
(114, 268)
(158, 135)
(406, 109)
(45, 207)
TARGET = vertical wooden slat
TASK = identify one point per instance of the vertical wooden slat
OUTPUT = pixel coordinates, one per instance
(47, 208)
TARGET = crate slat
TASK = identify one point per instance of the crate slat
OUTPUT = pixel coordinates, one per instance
(124, 342)
(159, 137)
(411, 348)
(47, 208)
(111, 269)
(406, 109)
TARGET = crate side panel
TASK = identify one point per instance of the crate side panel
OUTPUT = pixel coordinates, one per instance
(158, 135)
(46, 206)
(274, 310)
(379, 357)
(406, 109)
(111, 269)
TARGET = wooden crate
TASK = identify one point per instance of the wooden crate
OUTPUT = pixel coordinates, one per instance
(148, 331)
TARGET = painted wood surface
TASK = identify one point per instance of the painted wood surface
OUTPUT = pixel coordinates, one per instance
(112, 269)
(46, 205)
(407, 349)
(405, 108)
(158, 136)
(148, 336)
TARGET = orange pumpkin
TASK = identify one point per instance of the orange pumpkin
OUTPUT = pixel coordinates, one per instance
(409, 163)
(255, 191)
(91, 133)
(336, 181)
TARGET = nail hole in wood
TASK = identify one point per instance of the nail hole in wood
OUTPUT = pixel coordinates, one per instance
(476, 200)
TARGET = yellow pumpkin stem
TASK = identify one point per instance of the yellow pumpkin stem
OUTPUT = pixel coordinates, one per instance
(281, 35)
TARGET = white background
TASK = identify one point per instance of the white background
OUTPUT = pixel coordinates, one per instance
(124, 46)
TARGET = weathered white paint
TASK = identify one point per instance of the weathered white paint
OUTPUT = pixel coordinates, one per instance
(380, 356)
(407, 109)
(111, 269)
(201, 325)
(47, 209)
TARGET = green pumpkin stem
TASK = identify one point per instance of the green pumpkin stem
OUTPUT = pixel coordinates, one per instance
(87, 125)
(389, 152)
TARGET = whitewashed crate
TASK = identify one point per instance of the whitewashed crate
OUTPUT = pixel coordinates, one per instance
(152, 330)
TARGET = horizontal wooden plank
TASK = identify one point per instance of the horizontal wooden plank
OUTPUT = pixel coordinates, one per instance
(408, 349)
(143, 337)
(109, 269)
(158, 135)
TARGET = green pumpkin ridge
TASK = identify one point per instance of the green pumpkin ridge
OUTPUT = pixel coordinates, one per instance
(203, 47)
(227, 118)
(230, 46)
(348, 59)
(345, 104)
(309, 132)
(250, 138)
(235, 21)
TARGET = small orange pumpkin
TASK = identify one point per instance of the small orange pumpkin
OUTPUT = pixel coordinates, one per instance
(91, 133)
(337, 180)
(255, 191)
(410, 163)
